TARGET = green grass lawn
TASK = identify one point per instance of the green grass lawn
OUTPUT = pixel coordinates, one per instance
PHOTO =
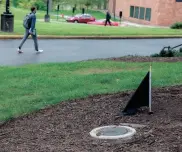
(69, 29)
(28, 88)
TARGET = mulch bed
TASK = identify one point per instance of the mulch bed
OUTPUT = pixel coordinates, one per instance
(65, 127)
(147, 59)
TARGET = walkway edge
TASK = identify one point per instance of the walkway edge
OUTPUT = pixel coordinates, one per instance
(4, 37)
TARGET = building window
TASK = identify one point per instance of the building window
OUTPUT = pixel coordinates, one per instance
(142, 13)
(131, 11)
(136, 12)
(148, 14)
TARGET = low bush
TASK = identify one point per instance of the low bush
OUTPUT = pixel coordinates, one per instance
(177, 25)
(180, 50)
(26, 4)
(168, 53)
(164, 53)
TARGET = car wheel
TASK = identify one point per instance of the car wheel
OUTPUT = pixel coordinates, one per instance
(76, 21)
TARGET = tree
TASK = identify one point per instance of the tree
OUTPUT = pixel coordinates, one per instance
(87, 4)
(41, 4)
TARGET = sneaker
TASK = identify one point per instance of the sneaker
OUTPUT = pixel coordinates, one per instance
(19, 50)
(39, 51)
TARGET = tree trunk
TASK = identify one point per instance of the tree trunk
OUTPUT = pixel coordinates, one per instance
(105, 4)
(98, 6)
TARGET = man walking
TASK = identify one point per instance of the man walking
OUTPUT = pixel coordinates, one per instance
(108, 17)
(29, 24)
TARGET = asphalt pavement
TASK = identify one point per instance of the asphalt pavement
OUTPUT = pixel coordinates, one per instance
(78, 50)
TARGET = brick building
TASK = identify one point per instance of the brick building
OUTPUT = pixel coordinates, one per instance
(150, 12)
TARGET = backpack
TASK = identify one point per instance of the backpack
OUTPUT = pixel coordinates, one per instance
(27, 21)
(109, 16)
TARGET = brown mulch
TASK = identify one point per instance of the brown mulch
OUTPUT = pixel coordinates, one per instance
(147, 59)
(65, 127)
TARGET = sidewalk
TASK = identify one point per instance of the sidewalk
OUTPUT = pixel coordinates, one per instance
(127, 23)
(6, 37)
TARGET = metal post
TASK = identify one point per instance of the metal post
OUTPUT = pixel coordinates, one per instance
(150, 91)
(47, 17)
(7, 7)
(7, 19)
(57, 11)
(47, 7)
(120, 15)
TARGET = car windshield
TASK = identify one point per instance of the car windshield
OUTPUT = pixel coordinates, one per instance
(78, 15)
(87, 15)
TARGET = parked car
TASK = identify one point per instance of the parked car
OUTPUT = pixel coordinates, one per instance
(81, 18)
(102, 22)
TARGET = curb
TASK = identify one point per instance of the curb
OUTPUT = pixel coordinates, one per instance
(5, 37)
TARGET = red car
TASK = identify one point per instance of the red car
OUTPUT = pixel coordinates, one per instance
(102, 22)
(81, 18)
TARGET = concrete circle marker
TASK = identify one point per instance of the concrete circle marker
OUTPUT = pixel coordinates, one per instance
(113, 132)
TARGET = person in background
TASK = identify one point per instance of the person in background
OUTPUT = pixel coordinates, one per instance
(108, 18)
(83, 10)
(29, 25)
(73, 11)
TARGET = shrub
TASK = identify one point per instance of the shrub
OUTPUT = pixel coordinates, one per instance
(168, 53)
(177, 25)
(180, 50)
(40, 5)
(155, 55)
(164, 53)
